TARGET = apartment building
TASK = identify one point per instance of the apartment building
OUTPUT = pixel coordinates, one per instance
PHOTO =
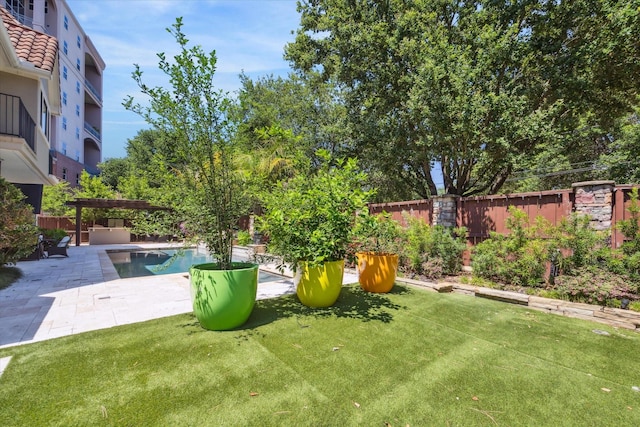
(75, 134)
(29, 100)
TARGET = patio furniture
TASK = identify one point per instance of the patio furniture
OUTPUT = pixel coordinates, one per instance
(60, 248)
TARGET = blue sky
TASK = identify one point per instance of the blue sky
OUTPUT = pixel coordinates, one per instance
(247, 35)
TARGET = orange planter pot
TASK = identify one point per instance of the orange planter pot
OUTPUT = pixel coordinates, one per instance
(377, 272)
(319, 286)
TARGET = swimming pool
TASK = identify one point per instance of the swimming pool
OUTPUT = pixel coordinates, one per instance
(148, 262)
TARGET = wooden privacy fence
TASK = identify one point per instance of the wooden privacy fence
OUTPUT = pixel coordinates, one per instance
(605, 202)
(64, 223)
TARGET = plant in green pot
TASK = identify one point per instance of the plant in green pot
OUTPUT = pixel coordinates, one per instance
(377, 239)
(309, 221)
(206, 190)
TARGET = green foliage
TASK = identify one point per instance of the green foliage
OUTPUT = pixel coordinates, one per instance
(583, 242)
(274, 154)
(54, 198)
(417, 235)
(622, 159)
(18, 233)
(193, 119)
(518, 258)
(113, 170)
(479, 87)
(92, 187)
(53, 233)
(596, 286)
(376, 233)
(312, 218)
(432, 251)
(244, 238)
(310, 110)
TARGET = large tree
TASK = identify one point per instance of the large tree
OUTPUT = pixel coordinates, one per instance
(308, 108)
(474, 88)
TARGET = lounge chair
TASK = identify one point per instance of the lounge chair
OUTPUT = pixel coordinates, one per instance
(60, 248)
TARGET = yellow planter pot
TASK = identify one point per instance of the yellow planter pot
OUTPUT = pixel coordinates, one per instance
(319, 286)
(377, 272)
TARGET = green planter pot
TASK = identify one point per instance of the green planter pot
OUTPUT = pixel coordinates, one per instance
(223, 299)
(319, 286)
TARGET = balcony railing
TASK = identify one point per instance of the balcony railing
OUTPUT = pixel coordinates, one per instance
(93, 90)
(92, 131)
(16, 121)
(22, 18)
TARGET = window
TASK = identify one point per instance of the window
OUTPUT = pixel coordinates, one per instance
(44, 115)
(78, 64)
(64, 173)
(17, 6)
(77, 156)
(65, 47)
(78, 87)
(64, 149)
(79, 43)
(64, 98)
(64, 72)
(77, 133)
(66, 22)
(77, 110)
(77, 179)
(64, 123)
(46, 6)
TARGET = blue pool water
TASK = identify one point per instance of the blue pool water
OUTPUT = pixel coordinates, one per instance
(148, 262)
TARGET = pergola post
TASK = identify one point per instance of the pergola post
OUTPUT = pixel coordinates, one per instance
(78, 223)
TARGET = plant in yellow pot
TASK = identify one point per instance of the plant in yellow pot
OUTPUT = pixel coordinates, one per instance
(377, 239)
(309, 221)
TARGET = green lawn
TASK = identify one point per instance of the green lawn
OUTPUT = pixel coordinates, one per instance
(411, 357)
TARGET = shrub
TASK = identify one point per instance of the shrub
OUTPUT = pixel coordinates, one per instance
(433, 268)
(596, 286)
(448, 244)
(518, 258)
(432, 251)
(576, 235)
(416, 237)
(18, 233)
(53, 233)
(244, 238)
(376, 233)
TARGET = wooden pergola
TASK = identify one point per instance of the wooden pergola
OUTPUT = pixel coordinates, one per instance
(80, 203)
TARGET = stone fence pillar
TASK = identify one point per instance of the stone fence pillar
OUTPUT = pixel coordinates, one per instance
(595, 198)
(445, 209)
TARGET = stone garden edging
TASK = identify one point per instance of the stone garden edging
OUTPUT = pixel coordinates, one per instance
(612, 316)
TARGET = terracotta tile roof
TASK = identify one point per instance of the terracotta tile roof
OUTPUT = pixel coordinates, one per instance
(30, 45)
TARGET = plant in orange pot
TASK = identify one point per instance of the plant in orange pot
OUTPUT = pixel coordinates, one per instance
(377, 241)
